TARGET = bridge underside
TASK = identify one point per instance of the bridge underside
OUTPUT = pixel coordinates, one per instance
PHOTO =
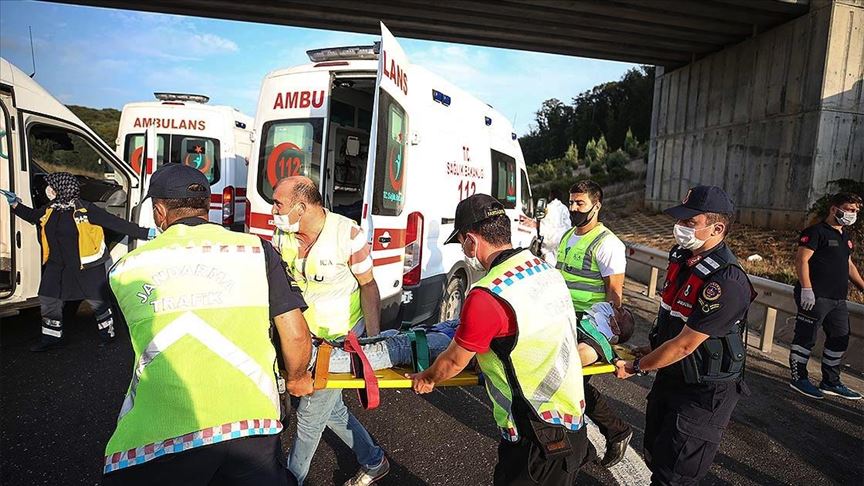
(661, 32)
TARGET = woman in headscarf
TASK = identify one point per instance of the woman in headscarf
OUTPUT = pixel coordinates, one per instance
(74, 253)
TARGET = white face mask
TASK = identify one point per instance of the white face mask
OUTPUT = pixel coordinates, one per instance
(282, 222)
(686, 237)
(50, 193)
(473, 262)
(845, 218)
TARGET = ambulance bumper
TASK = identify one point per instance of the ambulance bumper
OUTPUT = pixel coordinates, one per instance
(421, 302)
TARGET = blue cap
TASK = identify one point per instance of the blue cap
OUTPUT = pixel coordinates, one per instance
(700, 200)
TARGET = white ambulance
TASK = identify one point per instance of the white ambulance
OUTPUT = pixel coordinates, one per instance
(212, 138)
(394, 147)
(39, 135)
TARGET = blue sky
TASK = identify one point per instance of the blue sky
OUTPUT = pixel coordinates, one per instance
(106, 58)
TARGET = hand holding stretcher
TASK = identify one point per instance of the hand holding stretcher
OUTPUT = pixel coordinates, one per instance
(368, 381)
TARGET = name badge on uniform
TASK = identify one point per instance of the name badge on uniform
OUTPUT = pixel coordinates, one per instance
(833, 243)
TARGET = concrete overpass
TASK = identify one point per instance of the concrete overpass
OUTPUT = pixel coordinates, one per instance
(762, 97)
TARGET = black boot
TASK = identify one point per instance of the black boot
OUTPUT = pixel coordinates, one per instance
(615, 450)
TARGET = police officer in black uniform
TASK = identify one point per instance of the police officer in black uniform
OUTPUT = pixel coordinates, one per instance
(697, 343)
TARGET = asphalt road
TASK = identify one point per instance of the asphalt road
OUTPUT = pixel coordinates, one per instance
(57, 411)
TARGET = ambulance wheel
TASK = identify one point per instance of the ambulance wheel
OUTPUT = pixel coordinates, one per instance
(453, 298)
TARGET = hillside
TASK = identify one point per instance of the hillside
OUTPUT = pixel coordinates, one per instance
(104, 121)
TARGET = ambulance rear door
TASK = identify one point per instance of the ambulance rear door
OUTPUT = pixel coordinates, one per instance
(142, 214)
(383, 214)
(293, 108)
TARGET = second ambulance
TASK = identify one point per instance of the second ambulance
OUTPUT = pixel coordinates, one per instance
(212, 138)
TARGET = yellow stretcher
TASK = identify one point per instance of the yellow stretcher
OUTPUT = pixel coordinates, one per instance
(395, 377)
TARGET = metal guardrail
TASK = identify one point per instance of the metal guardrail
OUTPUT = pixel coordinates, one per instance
(773, 295)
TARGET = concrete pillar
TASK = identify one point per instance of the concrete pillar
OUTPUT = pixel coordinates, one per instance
(772, 119)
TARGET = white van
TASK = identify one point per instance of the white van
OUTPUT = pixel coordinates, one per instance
(39, 135)
(212, 138)
(394, 147)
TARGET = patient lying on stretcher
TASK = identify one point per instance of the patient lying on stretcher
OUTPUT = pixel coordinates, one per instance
(598, 329)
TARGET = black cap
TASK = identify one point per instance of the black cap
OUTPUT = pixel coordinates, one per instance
(702, 199)
(471, 211)
(173, 181)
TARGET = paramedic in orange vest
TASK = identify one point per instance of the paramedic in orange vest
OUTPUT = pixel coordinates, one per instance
(329, 257)
(74, 252)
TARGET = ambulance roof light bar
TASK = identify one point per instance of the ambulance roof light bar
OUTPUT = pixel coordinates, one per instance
(182, 97)
(343, 53)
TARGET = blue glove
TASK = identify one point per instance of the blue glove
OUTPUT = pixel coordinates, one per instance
(151, 233)
(11, 197)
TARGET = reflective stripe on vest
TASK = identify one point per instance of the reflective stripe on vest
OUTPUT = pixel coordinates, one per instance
(191, 325)
(579, 267)
(91, 237)
(544, 359)
(196, 302)
(329, 287)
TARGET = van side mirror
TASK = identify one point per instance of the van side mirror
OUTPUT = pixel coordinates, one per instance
(540, 210)
(352, 146)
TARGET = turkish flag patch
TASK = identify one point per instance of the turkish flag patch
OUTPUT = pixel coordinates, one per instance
(850, 244)
(805, 239)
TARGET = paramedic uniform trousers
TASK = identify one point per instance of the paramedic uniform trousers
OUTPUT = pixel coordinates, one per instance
(52, 318)
(833, 316)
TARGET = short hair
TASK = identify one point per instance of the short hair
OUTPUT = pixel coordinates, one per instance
(188, 206)
(724, 218)
(842, 198)
(307, 192)
(626, 325)
(587, 186)
(495, 230)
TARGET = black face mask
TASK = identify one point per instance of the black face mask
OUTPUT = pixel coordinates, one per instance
(580, 219)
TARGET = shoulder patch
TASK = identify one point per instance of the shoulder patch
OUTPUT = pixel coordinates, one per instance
(850, 244)
(712, 291)
(805, 239)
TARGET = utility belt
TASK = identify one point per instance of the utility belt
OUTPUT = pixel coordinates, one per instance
(717, 359)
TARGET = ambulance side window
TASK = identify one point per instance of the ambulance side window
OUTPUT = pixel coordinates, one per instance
(57, 149)
(289, 148)
(197, 152)
(504, 179)
(527, 201)
(390, 164)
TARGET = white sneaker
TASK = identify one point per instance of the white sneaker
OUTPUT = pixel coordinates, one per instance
(365, 477)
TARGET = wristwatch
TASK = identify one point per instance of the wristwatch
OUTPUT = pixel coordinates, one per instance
(636, 369)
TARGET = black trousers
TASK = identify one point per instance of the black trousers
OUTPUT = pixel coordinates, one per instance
(52, 317)
(683, 428)
(251, 460)
(599, 411)
(523, 463)
(833, 317)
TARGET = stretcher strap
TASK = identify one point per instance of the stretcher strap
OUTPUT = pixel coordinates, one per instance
(322, 366)
(419, 349)
(361, 368)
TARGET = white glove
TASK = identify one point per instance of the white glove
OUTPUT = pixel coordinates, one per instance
(808, 298)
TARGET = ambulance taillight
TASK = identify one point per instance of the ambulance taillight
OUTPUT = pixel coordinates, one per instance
(228, 206)
(413, 250)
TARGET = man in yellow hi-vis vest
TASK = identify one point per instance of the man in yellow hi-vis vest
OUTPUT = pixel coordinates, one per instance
(198, 301)
(519, 322)
(592, 261)
(329, 257)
